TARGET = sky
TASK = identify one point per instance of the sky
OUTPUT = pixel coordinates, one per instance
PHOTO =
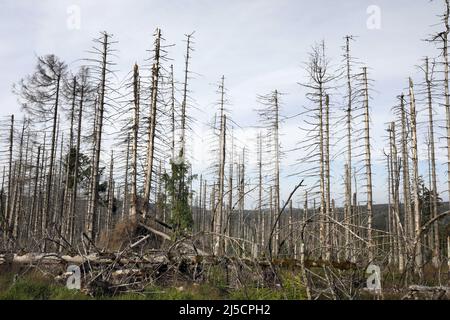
(259, 46)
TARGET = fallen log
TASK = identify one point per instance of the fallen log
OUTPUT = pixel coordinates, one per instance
(53, 258)
(430, 293)
(167, 237)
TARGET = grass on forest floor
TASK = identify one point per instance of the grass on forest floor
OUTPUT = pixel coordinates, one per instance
(34, 286)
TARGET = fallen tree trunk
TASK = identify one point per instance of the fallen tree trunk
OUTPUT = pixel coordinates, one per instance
(53, 258)
(427, 293)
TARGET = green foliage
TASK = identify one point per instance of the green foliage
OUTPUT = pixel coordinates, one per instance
(33, 288)
(217, 277)
(425, 201)
(177, 184)
(84, 168)
(253, 293)
(292, 289)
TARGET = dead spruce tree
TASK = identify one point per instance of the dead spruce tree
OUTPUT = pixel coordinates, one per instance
(40, 97)
(416, 218)
(440, 40)
(101, 70)
(152, 120)
(185, 97)
(429, 88)
(219, 212)
(348, 171)
(269, 115)
(315, 145)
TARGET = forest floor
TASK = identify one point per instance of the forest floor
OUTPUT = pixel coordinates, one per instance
(36, 286)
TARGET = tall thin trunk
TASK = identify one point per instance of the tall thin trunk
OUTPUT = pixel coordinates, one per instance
(172, 110)
(348, 170)
(218, 214)
(109, 215)
(126, 182)
(66, 196)
(93, 199)
(152, 123)
(277, 170)
(135, 136)
(415, 186)
(10, 176)
(184, 102)
(405, 165)
(368, 160)
(434, 193)
(48, 215)
(76, 170)
(328, 243)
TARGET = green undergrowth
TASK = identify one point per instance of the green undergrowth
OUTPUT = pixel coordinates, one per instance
(34, 286)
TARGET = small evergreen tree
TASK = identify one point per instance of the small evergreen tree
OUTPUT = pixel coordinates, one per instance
(177, 184)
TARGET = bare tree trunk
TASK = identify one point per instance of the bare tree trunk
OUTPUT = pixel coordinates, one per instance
(14, 218)
(415, 188)
(135, 136)
(396, 211)
(126, 183)
(48, 215)
(436, 254)
(152, 123)
(10, 179)
(109, 215)
(277, 170)
(260, 192)
(348, 170)
(185, 92)
(322, 227)
(434, 201)
(328, 243)
(172, 110)
(218, 213)
(76, 168)
(368, 160)
(92, 215)
(66, 197)
(405, 165)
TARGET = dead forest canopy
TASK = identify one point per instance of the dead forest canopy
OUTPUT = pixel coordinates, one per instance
(97, 170)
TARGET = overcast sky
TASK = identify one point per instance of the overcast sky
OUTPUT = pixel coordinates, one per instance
(258, 45)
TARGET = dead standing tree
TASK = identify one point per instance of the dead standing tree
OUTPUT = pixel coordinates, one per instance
(40, 97)
(101, 71)
(269, 115)
(152, 120)
(316, 144)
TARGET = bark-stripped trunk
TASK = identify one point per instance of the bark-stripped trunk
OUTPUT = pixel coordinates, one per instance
(415, 187)
(126, 182)
(368, 160)
(76, 170)
(348, 170)
(184, 102)
(328, 242)
(135, 136)
(405, 165)
(152, 123)
(48, 215)
(92, 214)
(218, 212)
(277, 170)
(10, 179)
(434, 192)
(109, 214)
